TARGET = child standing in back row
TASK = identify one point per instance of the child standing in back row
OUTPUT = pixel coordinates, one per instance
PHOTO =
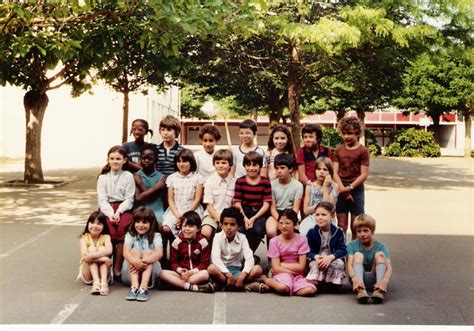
(351, 169)
(209, 136)
(139, 131)
(279, 141)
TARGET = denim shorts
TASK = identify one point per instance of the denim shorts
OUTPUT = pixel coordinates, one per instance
(235, 271)
(355, 208)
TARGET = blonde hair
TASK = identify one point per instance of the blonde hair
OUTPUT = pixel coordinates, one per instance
(364, 220)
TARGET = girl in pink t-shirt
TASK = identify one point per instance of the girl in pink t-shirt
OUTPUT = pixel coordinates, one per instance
(288, 253)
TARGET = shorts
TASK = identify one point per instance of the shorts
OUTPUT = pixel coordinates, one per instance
(293, 282)
(117, 230)
(355, 208)
(154, 275)
(208, 220)
(234, 270)
(257, 232)
(369, 280)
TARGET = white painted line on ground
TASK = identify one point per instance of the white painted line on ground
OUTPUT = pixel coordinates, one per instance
(39, 235)
(64, 313)
(219, 308)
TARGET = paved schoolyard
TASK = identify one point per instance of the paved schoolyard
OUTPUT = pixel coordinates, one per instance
(424, 213)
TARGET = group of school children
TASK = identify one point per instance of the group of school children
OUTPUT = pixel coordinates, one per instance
(215, 206)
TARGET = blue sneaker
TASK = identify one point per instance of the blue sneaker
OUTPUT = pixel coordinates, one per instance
(142, 295)
(132, 294)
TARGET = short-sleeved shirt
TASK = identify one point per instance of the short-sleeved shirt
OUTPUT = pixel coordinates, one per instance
(157, 204)
(253, 195)
(219, 192)
(316, 193)
(165, 161)
(132, 149)
(369, 254)
(239, 160)
(350, 161)
(205, 167)
(141, 242)
(306, 157)
(285, 195)
(289, 253)
(184, 189)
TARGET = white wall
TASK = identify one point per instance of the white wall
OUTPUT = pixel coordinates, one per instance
(77, 132)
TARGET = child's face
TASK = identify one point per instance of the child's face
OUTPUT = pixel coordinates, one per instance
(116, 161)
(208, 142)
(184, 167)
(147, 159)
(138, 130)
(350, 136)
(280, 140)
(95, 227)
(321, 172)
(230, 227)
(323, 218)
(283, 173)
(222, 168)
(286, 226)
(142, 227)
(167, 134)
(253, 170)
(246, 136)
(310, 140)
(365, 235)
(189, 231)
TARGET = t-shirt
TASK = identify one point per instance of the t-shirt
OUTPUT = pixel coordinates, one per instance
(239, 160)
(288, 252)
(285, 195)
(253, 195)
(306, 157)
(369, 254)
(133, 150)
(350, 161)
(141, 243)
(165, 161)
(205, 167)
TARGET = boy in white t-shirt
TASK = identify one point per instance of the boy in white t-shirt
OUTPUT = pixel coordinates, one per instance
(287, 192)
(209, 136)
(218, 192)
(247, 133)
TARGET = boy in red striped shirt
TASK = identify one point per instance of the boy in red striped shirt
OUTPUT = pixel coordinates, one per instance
(253, 196)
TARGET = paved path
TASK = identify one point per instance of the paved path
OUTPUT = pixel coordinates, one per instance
(416, 202)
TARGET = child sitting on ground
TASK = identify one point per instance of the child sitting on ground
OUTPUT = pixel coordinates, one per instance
(228, 249)
(189, 257)
(368, 262)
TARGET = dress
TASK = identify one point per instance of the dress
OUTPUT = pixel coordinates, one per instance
(290, 253)
(157, 204)
(90, 242)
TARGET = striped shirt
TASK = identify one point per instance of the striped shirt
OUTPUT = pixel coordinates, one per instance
(253, 195)
(165, 162)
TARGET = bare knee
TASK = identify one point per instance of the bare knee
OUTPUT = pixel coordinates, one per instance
(358, 257)
(379, 257)
(207, 231)
(213, 270)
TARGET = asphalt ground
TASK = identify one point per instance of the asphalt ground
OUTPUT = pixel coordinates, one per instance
(424, 210)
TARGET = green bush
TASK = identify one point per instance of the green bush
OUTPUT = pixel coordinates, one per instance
(412, 143)
(371, 143)
(331, 137)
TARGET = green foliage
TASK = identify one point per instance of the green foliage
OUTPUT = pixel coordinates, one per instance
(412, 143)
(193, 98)
(331, 137)
(371, 143)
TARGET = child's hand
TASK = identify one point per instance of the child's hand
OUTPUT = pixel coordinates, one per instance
(230, 281)
(327, 181)
(381, 286)
(186, 275)
(139, 264)
(324, 261)
(248, 223)
(116, 217)
(178, 222)
(240, 280)
(357, 284)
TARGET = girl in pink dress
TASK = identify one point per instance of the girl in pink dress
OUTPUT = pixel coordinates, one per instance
(288, 254)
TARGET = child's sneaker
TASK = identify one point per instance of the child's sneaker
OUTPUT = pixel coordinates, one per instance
(132, 294)
(378, 296)
(362, 296)
(206, 288)
(142, 295)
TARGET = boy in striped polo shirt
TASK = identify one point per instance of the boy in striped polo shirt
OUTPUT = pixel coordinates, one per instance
(253, 196)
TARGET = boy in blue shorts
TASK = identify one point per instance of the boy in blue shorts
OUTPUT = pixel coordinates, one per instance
(368, 262)
(228, 249)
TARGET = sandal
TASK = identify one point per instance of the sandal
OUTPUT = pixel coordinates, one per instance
(95, 288)
(104, 289)
(256, 287)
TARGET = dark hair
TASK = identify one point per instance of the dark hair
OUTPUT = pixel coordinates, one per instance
(290, 214)
(348, 122)
(186, 155)
(310, 128)
(233, 212)
(210, 129)
(289, 145)
(325, 205)
(145, 124)
(284, 159)
(191, 218)
(143, 213)
(253, 158)
(115, 149)
(223, 154)
(151, 147)
(102, 220)
(249, 124)
(327, 162)
(172, 123)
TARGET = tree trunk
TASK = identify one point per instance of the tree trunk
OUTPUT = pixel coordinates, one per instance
(254, 114)
(125, 116)
(35, 103)
(436, 127)
(467, 135)
(361, 115)
(294, 92)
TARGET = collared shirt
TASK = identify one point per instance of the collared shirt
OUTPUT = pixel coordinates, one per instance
(141, 242)
(227, 253)
(219, 192)
(306, 157)
(205, 167)
(165, 161)
(115, 187)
